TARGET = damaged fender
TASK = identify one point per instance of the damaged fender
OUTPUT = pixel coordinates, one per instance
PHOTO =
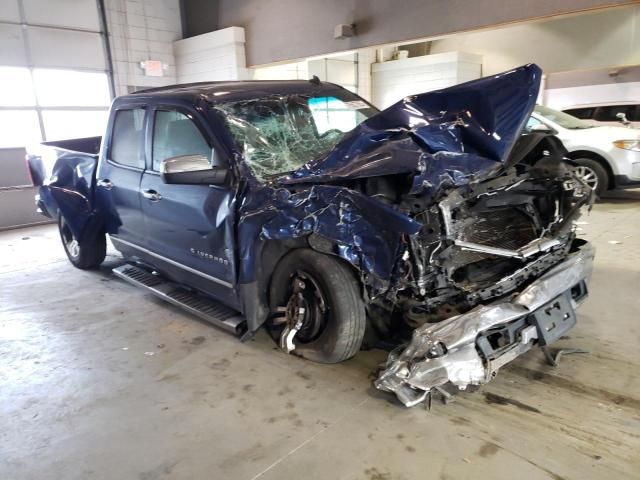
(364, 231)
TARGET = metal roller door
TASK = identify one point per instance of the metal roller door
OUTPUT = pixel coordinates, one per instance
(55, 83)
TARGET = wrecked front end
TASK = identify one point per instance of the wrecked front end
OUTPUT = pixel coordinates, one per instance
(459, 227)
(504, 272)
(470, 349)
(495, 269)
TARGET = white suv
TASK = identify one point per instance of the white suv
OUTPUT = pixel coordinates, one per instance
(619, 113)
(607, 157)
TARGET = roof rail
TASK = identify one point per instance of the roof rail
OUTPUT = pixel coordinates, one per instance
(174, 86)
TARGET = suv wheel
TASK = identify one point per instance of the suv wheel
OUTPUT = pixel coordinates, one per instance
(89, 253)
(320, 314)
(593, 174)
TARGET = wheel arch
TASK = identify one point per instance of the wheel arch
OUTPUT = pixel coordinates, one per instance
(272, 253)
(577, 154)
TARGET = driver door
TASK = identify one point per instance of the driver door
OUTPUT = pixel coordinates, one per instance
(189, 228)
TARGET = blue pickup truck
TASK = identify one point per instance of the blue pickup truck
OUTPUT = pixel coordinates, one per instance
(433, 226)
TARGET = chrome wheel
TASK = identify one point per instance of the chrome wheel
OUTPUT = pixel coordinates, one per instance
(588, 175)
(70, 243)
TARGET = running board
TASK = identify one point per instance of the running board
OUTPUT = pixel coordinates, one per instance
(205, 308)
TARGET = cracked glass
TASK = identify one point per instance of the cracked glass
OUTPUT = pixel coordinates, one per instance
(279, 134)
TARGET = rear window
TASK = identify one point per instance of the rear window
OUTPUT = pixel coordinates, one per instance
(126, 140)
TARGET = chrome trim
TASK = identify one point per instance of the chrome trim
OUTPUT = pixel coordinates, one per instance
(105, 183)
(152, 195)
(173, 262)
(185, 163)
(536, 246)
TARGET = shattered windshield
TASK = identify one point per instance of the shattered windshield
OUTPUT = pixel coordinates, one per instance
(280, 133)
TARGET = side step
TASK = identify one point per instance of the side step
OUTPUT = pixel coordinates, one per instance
(205, 308)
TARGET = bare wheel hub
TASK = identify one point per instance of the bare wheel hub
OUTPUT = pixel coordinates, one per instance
(305, 312)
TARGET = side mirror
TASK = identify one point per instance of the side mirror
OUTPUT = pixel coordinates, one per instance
(541, 128)
(622, 117)
(193, 170)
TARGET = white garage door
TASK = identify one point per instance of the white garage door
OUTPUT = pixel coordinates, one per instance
(55, 83)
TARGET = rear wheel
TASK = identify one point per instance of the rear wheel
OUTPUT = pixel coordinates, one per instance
(593, 174)
(89, 253)
(320, 314)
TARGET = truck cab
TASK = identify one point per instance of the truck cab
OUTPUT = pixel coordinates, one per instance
(165, 178)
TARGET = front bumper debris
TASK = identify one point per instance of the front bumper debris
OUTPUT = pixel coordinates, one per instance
(447, 352)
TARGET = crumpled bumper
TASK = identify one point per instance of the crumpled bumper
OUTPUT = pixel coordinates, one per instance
(446, 352)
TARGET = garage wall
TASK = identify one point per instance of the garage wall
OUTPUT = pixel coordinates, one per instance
(566, 89)
(143, 30)
(278, 30)
(396, 79)
(587, 41)
(211, 56)
(356, 77)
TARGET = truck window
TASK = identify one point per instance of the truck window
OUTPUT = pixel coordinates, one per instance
(175, 135)
(126, 142)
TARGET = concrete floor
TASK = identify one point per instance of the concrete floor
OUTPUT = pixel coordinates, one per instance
(101, 380)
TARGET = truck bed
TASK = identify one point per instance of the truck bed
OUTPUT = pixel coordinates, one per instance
(65, 172)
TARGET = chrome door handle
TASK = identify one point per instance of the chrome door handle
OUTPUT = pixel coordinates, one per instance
(151, 195)
(105, 183)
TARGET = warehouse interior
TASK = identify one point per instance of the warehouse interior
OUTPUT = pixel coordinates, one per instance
(99, 379)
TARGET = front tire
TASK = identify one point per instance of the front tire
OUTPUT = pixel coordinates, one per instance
(593, 173)
(89, 253)
(334, 313)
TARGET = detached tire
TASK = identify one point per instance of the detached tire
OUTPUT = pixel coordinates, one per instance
(89, 253)
(334, 318)
(593, 173)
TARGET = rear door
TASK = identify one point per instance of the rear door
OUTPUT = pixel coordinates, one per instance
(120, 172)
(190, 228)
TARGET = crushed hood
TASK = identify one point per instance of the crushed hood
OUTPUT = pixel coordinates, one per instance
(447, 136)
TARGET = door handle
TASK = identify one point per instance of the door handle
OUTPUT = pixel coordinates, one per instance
(105, 183)
(151, 195)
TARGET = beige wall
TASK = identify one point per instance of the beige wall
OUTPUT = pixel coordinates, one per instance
(594, 40)
(278, 30)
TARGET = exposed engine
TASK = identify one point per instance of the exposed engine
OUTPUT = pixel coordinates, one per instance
(480, 242)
